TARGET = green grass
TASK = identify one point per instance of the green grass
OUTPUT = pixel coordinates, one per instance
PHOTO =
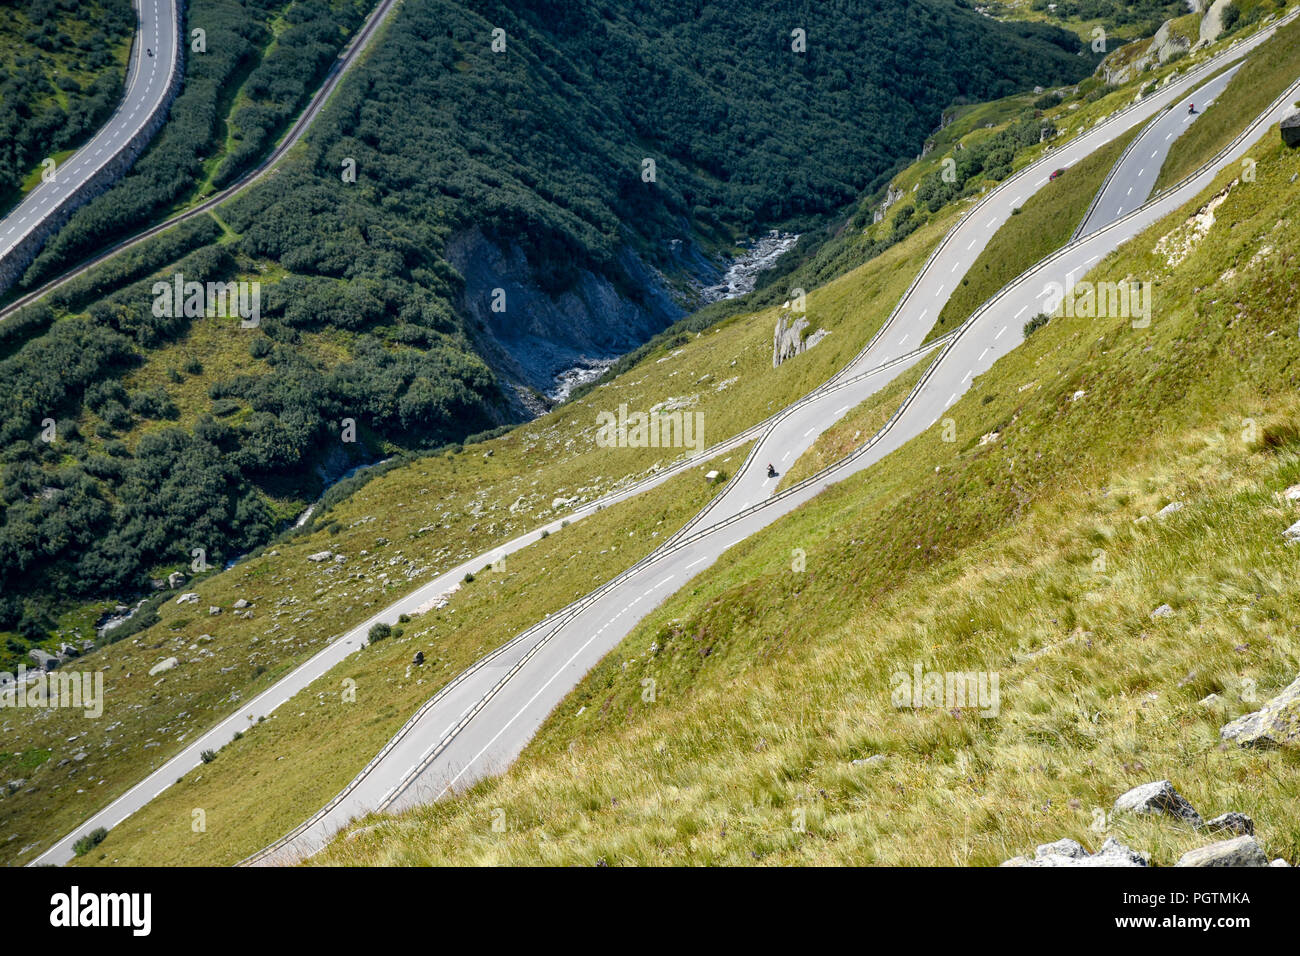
(1022, 555)
(435, 512)
(285, 769)
(1262, 78)
(1044, 223)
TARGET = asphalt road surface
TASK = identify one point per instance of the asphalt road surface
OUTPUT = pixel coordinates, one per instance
(480, 722)
(148, 78)
(1135, 174)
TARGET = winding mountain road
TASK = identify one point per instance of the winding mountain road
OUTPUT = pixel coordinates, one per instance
(480, 722)
(1134, 176)
(155, 55)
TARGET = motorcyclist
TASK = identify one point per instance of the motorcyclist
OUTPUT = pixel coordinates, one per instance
(149, 51)
(771, 472)
(1191, 108)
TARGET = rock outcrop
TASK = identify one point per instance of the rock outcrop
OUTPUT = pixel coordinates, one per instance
(1212, 22)
(788, 338)
(1276, 724)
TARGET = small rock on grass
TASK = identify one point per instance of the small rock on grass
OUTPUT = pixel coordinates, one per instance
(1231, 822)
(1070, 853)
(1158, 797)
(1239, 851)
(1276, 724)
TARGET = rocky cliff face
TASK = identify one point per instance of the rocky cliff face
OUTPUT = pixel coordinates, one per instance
(531, 335)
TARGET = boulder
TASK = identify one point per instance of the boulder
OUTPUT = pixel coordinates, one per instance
(240, 604)
(189, 597)
(1232, 822)
(320, 556)
(1070, 853)
(1158, 797)
(44, 659)
(1239, 851)
(1276, 724)
(1291, 130)
(1163, 610)
(175, 580)
(1212, 22)
(1172, 508)
(418, 659)
(163, 667)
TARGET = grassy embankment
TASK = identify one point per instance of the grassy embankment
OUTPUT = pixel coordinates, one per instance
(1032, 555)
(1262, 78)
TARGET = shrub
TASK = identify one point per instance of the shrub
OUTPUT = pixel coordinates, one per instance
(1036, 323)
(88, 842)
(378, 632)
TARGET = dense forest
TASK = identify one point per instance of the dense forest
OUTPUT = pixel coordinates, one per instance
(542, 144)
(60, 78)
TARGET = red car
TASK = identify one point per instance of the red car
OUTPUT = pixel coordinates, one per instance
(1057, 173)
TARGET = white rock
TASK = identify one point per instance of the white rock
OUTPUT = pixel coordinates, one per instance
(1240, 851)
(163, 666)
(1158, 797)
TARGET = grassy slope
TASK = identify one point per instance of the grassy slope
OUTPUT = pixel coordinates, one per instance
(284, 770)
(1044, 224)
(435, 512)
(472, 514)
(1021, 556)
(1268, 72)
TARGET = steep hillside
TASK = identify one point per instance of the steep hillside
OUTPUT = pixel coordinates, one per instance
(475, 171)
(62, 68)
(1029, 550)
